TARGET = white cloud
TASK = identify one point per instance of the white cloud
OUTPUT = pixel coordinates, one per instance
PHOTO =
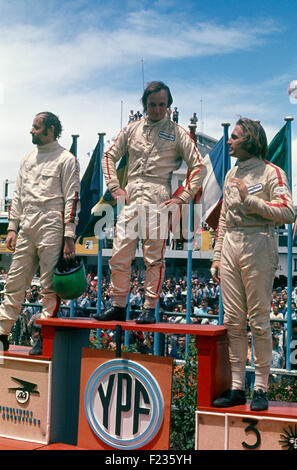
(83, 74)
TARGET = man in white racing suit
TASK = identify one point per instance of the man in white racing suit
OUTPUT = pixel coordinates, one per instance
(156, 147)
(256, 199)
(42, 221)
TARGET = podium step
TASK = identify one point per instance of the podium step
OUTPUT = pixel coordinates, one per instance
(15, 444)
(239, 428)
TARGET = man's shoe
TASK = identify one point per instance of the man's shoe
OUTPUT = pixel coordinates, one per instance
(37, 346)
(5, 342)
(230, 398)
(112, 313)
(259, 401)
(147, 316)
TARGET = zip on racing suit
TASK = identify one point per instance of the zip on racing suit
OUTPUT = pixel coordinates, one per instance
(156, 149)
(246, 247)
(44, 209)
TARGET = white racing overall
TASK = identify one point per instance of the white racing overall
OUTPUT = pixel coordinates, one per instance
(44, 209)
(247, 249)
(156, 149)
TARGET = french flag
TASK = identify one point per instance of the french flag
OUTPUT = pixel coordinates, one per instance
(212, 190)
(210, 195)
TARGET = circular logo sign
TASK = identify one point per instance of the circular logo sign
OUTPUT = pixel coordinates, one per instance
(22, 396)
(124, 404)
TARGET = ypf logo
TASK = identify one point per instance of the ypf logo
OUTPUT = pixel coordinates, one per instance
(124, 404)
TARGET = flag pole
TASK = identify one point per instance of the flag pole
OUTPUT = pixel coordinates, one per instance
(192, 128)
(100, 241)
(74, 148)
(225, 168)
(189, 269)
(289, 120)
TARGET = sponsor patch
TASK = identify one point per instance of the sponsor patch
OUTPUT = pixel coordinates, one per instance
(163, 135)
(255, 188)
(280, 190)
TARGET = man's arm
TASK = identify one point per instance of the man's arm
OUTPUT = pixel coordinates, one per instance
(71, 192)
(280, 207)
(221, 230)
(196, 170)
(11, 240)
(69, 248)
(109, 160)
(16, 208)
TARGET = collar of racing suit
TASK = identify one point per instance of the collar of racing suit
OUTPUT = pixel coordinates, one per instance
(48, 147)
(149, 123)
(250, 163)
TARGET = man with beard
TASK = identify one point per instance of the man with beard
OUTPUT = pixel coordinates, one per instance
(42, 221)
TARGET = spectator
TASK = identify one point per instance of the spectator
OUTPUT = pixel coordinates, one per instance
(136, 300)
(278, 330)
(276, 314)
(179, 351)
(209, 321)
(203, 308)
(278, 360)
(283, 308)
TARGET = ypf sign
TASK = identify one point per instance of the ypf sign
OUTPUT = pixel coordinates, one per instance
(124, 403)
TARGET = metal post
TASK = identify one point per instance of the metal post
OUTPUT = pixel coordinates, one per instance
(127, 333)
(118, 338)
(189, 269)
(157, 335)
(74, 143)
(289, 282)
(100, 241)
(224, 171)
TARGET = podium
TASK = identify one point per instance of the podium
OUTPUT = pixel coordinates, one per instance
(76, 397)
(62, 336)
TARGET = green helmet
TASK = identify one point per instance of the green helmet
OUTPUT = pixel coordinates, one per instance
(69, 278)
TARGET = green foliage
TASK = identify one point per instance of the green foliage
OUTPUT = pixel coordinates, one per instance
(284, 389)
(182, 427)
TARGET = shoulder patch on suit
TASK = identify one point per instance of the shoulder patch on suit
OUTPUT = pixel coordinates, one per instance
(280, 190)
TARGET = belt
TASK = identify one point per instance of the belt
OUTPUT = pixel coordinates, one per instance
(33, 208)
(253, 228)
(149, 179)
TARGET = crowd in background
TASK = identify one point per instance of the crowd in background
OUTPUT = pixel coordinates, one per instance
(204, 309)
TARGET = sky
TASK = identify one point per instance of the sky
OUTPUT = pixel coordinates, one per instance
(88, 61)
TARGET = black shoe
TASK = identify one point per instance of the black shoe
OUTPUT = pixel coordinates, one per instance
(5, 342)
(147, 316)
(230, 398)
(37, 346)
(259, 401)
(112, 313)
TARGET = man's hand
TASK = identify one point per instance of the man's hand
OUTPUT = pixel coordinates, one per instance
(242, 189)
(69, 248)
(11, 240)
(172, 201)
(215, 270)
(120, 193)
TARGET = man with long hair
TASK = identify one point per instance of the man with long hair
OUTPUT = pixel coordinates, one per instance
(256, 199)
